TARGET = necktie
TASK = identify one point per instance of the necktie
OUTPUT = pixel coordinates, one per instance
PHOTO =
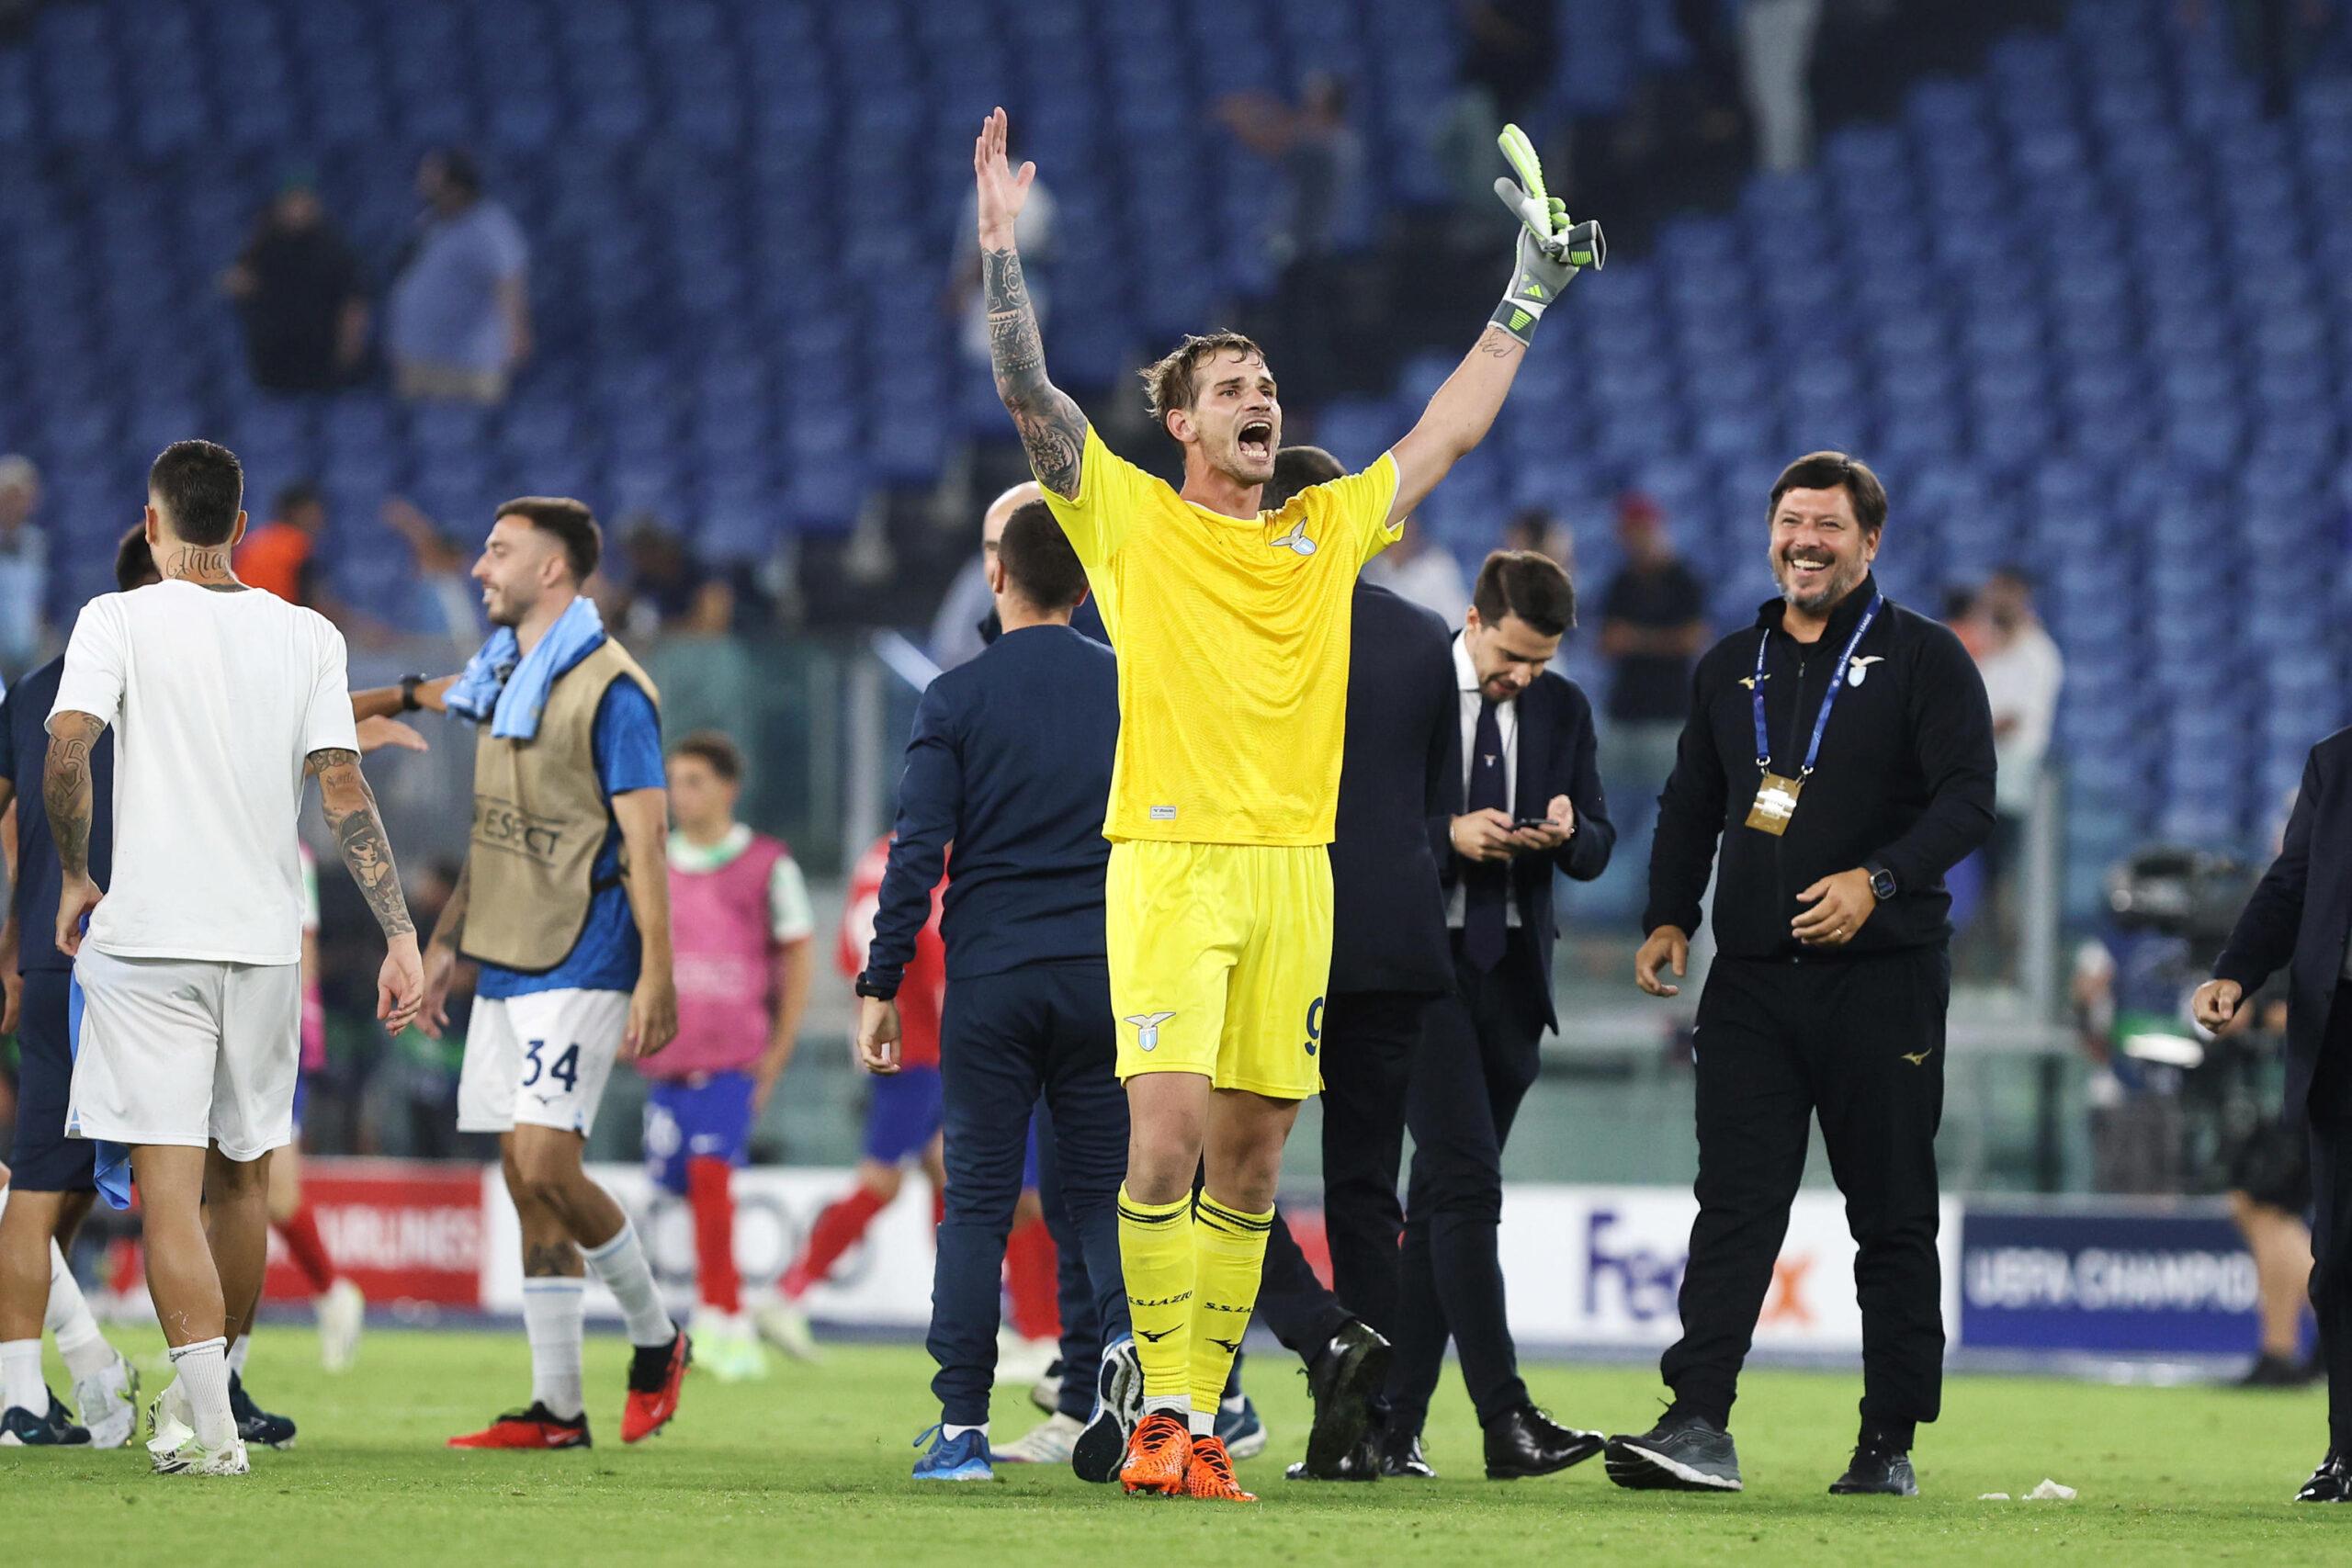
(1485, 884)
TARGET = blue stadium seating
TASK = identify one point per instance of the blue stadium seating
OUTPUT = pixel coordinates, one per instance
(2085, 309)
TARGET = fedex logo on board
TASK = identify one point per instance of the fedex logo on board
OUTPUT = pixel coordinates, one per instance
(1646, 1280)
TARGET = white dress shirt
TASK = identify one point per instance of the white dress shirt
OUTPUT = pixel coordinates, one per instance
(1465, 677)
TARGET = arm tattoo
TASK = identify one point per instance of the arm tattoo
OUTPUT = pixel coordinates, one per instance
(1497, 344)
(65, 787)
(1053, 432)
(359, 832)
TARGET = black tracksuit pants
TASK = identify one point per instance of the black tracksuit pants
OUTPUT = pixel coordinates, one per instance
(1477, 1058)
(1858, 1041)
(2331, 1129)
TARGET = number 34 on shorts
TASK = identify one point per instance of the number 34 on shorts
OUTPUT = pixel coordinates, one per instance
(541, 1059)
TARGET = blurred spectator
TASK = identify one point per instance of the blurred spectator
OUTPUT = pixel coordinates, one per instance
(2023, 672)
(1321, 160)
(1957, 608)
(665, 588)
(23, 567)
(1533, 528)
(1419, 568)
(282, 556)
(444, 570)
(298, 289)
(1033, 236)
(1776, 58)
(2274, 40)
(1652, 624)
(1510, 49)
(1319, 156)
(459, 319)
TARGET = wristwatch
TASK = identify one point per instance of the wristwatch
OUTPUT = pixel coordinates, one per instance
(1882, 884)
(866, 988)
(409, 683)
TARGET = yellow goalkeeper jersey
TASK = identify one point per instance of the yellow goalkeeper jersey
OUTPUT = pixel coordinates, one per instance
(1232, 639)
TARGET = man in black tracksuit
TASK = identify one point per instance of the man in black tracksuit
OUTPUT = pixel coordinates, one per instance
(1832, 973)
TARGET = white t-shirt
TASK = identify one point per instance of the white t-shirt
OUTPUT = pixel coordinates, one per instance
(2021, 681)
(215, 700)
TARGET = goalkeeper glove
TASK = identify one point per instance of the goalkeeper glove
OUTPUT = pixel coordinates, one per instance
(1550, 250)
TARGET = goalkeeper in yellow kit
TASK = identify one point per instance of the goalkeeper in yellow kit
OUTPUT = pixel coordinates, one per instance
(1232, 629)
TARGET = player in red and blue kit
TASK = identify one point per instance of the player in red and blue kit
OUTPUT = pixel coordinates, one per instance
(741, 928)
(902, 1121)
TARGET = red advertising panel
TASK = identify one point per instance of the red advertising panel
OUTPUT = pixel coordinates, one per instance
(401, 1230)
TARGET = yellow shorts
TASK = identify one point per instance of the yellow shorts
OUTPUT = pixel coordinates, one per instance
(1219, 956)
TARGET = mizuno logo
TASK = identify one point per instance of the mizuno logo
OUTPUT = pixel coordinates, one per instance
(1230, 1347)
(1147, 1028)
(1920, 1059)
(1295, 541)
(1148, 1338)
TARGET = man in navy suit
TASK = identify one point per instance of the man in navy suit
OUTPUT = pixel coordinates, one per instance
(1523, 800)
(2301, 917)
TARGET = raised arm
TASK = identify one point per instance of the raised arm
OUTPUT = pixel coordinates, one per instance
(1053, 432)
(358, 828)
(1463, 410)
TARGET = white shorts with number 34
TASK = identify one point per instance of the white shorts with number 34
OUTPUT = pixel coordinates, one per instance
(540, 1060)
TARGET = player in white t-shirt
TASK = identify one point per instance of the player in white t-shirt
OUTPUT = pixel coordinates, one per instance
(223, 701)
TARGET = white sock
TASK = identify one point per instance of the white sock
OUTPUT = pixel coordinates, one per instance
(21, 1370)
(1204, 1423)
(551, 1312)
(69, 1318)
(620, 1264)
(204, 1375)
(238, 1352)
(952, 1433)
(1177, 1405)
(1237, 1404)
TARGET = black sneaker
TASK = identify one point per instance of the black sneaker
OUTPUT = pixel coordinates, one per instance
(2331, 1483)
(255, 1424)
(1681, 1453)
(1344, 1377)
(1401, 1458)
(61, 1422)
(1360, 1464)
(1876, 1473)
(20, 1428)
(1102, 1448)
(2280, 1371)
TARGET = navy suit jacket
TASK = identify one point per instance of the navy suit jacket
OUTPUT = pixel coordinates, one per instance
(1011, 762)
(1388, 913)
(2300, 917)
(1556, 757)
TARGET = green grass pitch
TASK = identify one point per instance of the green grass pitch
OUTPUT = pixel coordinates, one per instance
(812, 1467)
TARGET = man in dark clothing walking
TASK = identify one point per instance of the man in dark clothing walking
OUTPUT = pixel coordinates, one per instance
(1841, 748)
(1520, 799)
(1010, 761)
(2300, 919)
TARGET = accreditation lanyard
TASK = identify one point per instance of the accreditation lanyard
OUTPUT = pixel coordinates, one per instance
(1776, 796)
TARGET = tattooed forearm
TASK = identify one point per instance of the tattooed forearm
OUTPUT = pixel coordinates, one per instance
(65, 787)
(1053, 432)
(359, 833)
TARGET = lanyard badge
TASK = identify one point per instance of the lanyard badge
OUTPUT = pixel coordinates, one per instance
(1776, 794)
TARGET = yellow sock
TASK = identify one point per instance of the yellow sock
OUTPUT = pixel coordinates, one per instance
(1155, 1254)
(1230, 1249)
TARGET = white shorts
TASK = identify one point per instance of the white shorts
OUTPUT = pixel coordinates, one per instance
(186, 1051)
(541, 1059)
